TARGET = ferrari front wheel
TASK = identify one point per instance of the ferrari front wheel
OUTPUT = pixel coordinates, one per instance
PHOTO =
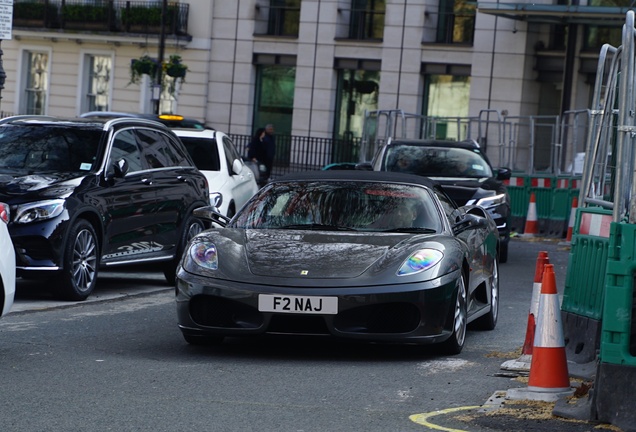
(489, 321)
(454, 344)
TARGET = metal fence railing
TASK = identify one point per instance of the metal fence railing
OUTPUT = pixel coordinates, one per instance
(105, 16)
(299, 153)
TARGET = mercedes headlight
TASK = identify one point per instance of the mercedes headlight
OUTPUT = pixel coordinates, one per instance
(38, 211)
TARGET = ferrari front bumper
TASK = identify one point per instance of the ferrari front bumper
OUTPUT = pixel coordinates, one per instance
(420, 312)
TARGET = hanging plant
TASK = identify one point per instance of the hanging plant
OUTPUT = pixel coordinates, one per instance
(174, 67)
(144, 65)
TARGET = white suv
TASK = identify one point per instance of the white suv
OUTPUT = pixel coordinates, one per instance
(230, 180)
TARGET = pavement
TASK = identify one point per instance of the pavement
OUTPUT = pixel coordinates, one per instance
(519, 410)
(144, 280)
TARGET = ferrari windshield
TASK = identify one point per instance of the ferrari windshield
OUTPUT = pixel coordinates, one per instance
(350, 206)
(437, 161)
(45, 148)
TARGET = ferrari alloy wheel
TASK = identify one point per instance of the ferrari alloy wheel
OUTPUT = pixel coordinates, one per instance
(192, 227)
(489, 321)
(455, 343)
(80, 262)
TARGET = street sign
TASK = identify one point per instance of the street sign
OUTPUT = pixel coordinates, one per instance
(6, 19)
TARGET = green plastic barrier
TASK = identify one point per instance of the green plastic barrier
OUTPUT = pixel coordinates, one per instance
(618, 338)
(519, 196)
(561, 206)
(582, 305)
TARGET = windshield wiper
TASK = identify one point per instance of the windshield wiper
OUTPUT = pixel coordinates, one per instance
(317, 226)
(418, 230)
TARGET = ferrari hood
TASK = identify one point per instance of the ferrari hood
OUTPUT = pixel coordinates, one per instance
(311, 254)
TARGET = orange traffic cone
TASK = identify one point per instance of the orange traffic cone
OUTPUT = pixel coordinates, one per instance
(549, 367)
(532, 223)
(523, 362)
(575, 204)
(542, 260)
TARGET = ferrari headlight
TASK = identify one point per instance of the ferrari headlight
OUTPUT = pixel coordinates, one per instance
(205, 255)
(492, 201)
(420, 261)
(37, 211)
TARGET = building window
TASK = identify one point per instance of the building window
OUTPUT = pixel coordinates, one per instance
(358, 91)
(274, 95)
(456, 22)
(596, 36)
(446, 96)
(367, 19)
(284, 18)
(36, 83)
(97, 73)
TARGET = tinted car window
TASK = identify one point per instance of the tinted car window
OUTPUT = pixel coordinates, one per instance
(229, 154)
(48, 149)
(437, 161)
(203, 152)
(448, 206)
(158, 150)
(125, 147)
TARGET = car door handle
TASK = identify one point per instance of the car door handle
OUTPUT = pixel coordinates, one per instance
(182, 179)
(146, 181)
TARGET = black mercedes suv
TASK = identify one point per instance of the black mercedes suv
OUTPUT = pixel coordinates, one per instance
(89, 193)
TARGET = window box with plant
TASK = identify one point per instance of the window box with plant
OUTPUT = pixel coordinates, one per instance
(142, 19)
(34, 14)
(87, 16)
(176, 70)
(144, 65)
(174, 67)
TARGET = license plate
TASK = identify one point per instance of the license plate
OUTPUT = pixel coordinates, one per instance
(297, 304)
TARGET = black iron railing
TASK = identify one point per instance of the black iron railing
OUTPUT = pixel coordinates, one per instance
(298, 153)
(115, 16)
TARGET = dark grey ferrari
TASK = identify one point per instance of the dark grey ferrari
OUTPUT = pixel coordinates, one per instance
(371, 256)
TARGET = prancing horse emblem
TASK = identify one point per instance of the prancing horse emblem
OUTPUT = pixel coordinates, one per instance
(304, 272)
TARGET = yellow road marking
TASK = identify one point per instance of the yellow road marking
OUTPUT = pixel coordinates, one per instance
(422, 419)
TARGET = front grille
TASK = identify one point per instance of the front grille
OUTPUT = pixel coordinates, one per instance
(296, 324)
(381, 318)
(210, 311)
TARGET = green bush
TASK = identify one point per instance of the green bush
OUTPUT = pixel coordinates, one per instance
(150, 16)
(85, 13)
(32, 10)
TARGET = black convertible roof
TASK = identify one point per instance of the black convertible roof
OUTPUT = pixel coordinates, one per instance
(358, 175)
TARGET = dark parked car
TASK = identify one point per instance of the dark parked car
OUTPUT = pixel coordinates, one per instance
(89, 193)
(173, 121)
(461, 168)
(370, 256)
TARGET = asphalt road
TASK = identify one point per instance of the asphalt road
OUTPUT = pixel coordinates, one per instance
(117, 362)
